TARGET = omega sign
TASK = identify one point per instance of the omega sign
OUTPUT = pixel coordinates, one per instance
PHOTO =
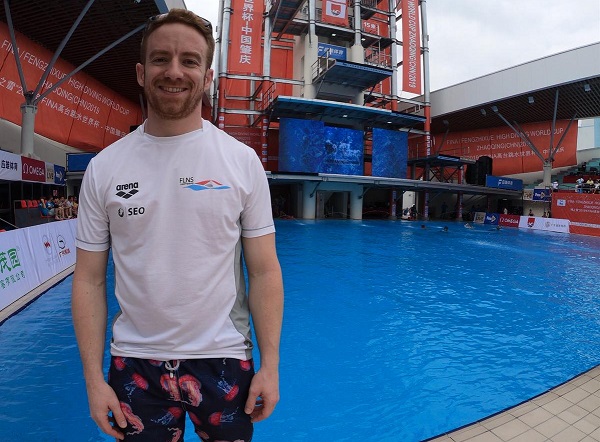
(33, 170)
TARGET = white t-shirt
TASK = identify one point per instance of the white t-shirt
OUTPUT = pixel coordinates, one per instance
(173, 210)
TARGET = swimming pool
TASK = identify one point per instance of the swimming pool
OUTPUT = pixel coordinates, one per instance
(391, 333)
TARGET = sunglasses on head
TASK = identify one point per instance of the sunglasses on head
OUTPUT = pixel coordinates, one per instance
(157, 18)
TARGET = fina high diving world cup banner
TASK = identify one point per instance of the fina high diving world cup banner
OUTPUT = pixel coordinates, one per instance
(411, 47)
(31, 256)
(582, 209)
(509, 153)
(81, 112)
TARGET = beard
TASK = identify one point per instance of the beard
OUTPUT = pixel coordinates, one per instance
(172, 109)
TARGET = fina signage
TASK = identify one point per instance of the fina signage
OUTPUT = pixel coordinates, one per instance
(332, 51)
(501, 182)
(541, 195)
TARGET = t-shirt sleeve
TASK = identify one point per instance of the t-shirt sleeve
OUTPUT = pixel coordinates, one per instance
(257, 215)
(92, 220)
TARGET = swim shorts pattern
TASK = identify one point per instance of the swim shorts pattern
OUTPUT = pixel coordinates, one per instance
(156, 395)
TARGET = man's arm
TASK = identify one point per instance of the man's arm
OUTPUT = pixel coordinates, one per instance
(89, 309)
(266, 307)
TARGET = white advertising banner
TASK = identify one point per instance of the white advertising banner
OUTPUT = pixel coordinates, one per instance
(33, 255)
(541, 223)
(49, 173)
(10, 166)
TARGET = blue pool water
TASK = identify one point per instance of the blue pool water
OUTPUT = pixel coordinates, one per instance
(391, 333)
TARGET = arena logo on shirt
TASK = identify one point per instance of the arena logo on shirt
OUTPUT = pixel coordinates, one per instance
(127, 190)
(207, 185)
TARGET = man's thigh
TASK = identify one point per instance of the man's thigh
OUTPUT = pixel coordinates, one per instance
(223, 384)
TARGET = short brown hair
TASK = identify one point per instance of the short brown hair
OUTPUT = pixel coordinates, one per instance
(185, 17)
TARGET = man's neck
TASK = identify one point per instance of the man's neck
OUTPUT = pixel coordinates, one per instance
(159, 127)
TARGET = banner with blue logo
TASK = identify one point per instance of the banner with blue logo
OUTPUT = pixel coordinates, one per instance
(59, 175)
(542, 195)
(491, 219)
(332, 51)
(501, 182)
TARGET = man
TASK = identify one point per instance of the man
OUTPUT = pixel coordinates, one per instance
(181, 342)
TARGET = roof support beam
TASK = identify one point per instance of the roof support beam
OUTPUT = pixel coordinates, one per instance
(60, 48)
(520, 133)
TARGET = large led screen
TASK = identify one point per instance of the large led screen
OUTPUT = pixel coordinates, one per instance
(311, 147)
(390, 152)
(343, 151)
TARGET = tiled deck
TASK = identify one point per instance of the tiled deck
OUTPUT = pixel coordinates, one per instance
(567, 413)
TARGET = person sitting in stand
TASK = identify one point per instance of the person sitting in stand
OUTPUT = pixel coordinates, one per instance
(72, 203)
(59, 212)
(589, 185)
(46, 207)
(66, 207)
(555, 186)
(531, 212)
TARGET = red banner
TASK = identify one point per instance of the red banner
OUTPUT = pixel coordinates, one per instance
(509, 220)
(81, 112)
(33, 170)
(581, 209)
(245, 49)
(510, 154)
(335, 12)
(411, 47)
(376, 27)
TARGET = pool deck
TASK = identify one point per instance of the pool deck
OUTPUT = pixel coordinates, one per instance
(567, 413)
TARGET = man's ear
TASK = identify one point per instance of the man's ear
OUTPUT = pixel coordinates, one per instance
(139, 70)
(208, 78)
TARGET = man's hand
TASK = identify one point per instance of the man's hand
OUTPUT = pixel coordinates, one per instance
(263, 396)
(103, 400)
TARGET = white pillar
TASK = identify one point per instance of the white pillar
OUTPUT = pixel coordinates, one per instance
(309, 203)
(28, 112)
(356, 203)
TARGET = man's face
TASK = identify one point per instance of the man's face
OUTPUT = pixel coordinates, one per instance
(174, 75)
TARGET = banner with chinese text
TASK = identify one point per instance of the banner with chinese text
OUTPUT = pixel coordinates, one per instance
(81, 112)
(582, 209)
(509, 153)
(33, 255)
(245, 50)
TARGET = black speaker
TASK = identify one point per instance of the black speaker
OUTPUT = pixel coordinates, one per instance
(471, 173)
(484, 167)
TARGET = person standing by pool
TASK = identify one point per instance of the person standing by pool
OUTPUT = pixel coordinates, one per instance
(179, 202)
